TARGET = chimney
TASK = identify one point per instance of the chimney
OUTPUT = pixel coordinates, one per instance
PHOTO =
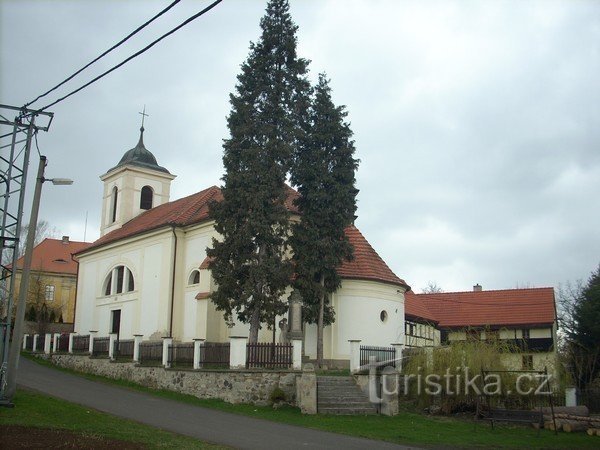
(477, 288)
(65, 239)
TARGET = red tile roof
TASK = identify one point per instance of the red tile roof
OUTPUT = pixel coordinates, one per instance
(499, 308)
(54, 256)
(205, 263)
(367, 264)
(185, 211)
(415, 309)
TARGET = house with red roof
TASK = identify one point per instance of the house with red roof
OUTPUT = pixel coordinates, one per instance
(524, 319)
(53, 276)
(148, 272)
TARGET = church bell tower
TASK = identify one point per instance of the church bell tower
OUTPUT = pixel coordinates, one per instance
(133, 186)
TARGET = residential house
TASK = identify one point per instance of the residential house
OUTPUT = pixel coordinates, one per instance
(523, 319)
(53, 276)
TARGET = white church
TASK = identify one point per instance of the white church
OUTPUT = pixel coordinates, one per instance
(148, 273)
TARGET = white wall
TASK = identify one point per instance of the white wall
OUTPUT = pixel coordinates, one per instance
(145, 310)
(358, 305)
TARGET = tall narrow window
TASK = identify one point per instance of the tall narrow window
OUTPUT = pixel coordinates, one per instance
(120, 277)
(130, 283)
(49, 293)
(146, 198)
(115, 192)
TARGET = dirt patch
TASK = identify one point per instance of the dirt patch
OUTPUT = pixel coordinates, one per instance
(16, 436)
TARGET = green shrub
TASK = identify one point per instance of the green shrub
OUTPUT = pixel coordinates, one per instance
(277, 395)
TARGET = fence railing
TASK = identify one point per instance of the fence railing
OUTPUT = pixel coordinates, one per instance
(81, 343)
(269, 355)
(181, 355)
(151, 352)
(215, 354)
(41, 340)
(386, 355)
(29, 343)
(100, 346)
(63, 343)
(123, 349)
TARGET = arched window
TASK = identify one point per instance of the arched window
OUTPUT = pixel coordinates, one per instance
(115, 192)
(123, 281)
(146, 198)
(194, 277)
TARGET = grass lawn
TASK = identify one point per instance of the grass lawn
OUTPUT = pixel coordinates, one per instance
(40, 411)
(405, 428)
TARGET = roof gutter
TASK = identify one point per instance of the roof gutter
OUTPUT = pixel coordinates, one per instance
(173, 280)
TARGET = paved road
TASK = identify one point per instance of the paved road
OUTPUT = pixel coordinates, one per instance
(206, 424)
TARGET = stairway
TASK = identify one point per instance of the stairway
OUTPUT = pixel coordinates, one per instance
(341, 395)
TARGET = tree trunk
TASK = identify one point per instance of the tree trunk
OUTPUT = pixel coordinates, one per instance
(254, 326)
(320, 327)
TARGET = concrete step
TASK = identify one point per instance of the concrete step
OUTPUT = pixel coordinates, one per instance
(342, 400)
(336, 380)
(353, 405)
(341, 395)
(348, 411)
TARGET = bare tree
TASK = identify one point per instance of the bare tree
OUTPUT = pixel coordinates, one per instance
(431, 288)
(40, 302)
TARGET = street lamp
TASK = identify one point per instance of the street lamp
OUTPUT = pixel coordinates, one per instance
(15, 346)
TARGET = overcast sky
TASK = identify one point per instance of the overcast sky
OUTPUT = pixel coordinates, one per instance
(477, 123)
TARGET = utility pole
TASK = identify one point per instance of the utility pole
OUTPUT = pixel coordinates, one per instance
(14, 162)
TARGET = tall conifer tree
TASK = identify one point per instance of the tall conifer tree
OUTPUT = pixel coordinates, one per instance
(324, 173)
(249, 261)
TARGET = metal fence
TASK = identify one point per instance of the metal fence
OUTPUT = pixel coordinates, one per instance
(123, 349)
(29, 343)
(81, 344)
(384, 356)
(100, 346)
(41, 341)
(63, 343)
(268, 355)
(181, 355)
(151, 352)
(214, 354)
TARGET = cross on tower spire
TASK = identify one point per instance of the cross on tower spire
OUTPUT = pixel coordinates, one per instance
(144, 115)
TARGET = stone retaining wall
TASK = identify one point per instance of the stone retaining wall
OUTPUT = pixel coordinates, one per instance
(233, 386)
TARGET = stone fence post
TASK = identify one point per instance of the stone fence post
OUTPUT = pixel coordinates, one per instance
(167, 341)
(35, 339)
(237, 352)
(198, 343)
(306, 390)
(92, 336)
(297, 354)
(570, 396)
(47, 343)
(71, 342)
(399, 349)
(112, 338)
(25, 336)
(137, 340)
(55, 342)
(354, 355)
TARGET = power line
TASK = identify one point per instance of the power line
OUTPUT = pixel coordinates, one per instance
(152, 44)
(138, 29)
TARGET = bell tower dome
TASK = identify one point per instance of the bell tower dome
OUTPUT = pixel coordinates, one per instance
(137, 183)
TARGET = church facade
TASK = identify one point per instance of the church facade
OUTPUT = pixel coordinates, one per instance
(148, 273)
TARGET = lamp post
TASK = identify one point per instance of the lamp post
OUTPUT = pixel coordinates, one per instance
(15, 346)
